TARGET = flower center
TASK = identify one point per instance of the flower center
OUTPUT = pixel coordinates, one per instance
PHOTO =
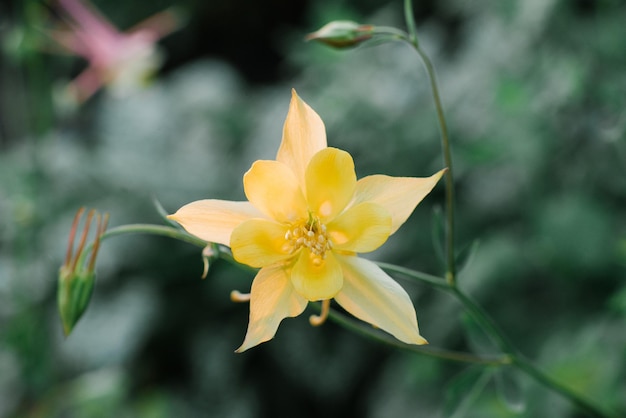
(312, 235)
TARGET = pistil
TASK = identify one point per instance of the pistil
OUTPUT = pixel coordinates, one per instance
(311, 235)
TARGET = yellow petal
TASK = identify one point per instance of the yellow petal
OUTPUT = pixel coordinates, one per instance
(214, 220)
(372, 296)
(273, 298)
(303, 136)
(259, 243)
(361, 228)
(272, 188)
(330, 182)
(399, 195)
(316, 282)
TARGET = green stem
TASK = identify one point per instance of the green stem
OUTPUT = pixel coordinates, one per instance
(424, 277)
(394, 33)
(505, 345)
(583, 404)
(450, 355)
(170, 232)
(518, 360)
(447, 157)
(445, 142)
(166, 231)
(511, 354)
(340, 319)
(410, 21)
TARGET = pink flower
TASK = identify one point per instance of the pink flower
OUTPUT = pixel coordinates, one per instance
(119, 60)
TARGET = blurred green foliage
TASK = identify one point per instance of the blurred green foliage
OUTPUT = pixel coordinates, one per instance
(534, 93)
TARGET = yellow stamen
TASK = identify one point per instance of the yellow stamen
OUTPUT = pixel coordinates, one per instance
(312, 235)
(237, 296)
(317, 320)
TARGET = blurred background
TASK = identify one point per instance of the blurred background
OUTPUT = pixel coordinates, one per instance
(535, 93)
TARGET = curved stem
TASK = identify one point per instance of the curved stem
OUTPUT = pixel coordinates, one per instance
(171, 232)
(445, 142)
(583, 404)
(410, 21)
(447, 157)
(518, 360)
(450, 355)
(394, 33)
(511, 354)
(424, 277)
(166, 231)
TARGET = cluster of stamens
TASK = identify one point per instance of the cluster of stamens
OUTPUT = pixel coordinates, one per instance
(311, 235)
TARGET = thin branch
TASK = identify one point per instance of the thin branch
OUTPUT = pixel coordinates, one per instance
(457, 356)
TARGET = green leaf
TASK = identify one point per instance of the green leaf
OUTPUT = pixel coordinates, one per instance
(509, 389)
(464, 390)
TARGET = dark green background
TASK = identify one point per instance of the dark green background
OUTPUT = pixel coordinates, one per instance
(535, 93)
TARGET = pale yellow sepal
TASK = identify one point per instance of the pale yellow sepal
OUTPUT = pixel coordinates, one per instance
(272, 299)
(214, 220)
(399, 195)
(372, 296)
(304, 135)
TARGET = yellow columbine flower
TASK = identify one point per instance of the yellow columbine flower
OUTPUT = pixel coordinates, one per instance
(306, 219)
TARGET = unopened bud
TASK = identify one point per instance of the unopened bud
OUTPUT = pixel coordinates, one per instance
(77, 274)
(342, 34)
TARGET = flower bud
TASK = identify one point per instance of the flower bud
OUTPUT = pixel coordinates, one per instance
(77, 275)
(342, 34)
